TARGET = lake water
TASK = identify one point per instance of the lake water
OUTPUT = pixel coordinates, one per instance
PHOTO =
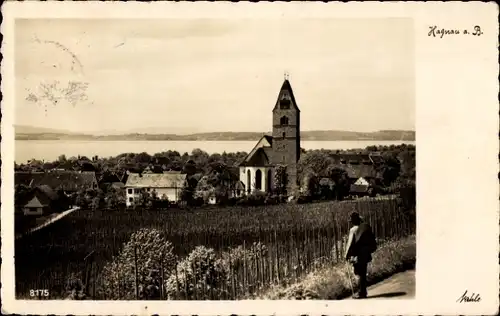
(49, 150)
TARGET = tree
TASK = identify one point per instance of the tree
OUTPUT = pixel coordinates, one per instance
(190, 168)
(142, 158)
(280, 179)
(342, 185)
(20, 193)
(310, 184)
(204, 189)
(96, 203)
(316, 161)
(390, 169)
(149, 256)
(196, 273)
(188, 191)
(115, 197)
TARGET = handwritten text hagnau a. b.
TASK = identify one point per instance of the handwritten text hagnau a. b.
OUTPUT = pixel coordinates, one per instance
(435, 31)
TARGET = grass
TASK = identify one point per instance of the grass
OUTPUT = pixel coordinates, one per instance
(332, 283)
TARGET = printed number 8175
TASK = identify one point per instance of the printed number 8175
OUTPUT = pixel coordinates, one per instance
(39, 292)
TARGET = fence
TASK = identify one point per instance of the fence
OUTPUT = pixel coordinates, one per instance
(281, 255)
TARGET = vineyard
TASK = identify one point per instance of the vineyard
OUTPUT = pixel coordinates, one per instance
(245, 249)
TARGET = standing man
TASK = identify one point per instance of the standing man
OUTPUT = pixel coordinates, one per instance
(360, 246)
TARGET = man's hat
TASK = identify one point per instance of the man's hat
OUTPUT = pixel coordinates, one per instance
(355, 217)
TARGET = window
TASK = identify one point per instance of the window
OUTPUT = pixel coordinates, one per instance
(285, 104)
(130, 191)
(284, 134)
(258, 179)
(131, 199)
(284, 120)
(249, 183)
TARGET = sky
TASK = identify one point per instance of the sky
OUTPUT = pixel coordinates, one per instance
(202, 75)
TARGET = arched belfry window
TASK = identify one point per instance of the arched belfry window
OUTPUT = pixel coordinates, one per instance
(285, 104)
(284, 120)
(285, 101)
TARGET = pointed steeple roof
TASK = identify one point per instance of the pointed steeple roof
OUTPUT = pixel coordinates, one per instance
(286, 87)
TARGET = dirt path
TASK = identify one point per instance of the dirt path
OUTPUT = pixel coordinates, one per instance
(399, 286)
(49, 220)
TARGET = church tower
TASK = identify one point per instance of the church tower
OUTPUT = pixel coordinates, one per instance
(286, 133)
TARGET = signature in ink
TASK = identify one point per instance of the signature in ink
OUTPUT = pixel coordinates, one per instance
(469, 298)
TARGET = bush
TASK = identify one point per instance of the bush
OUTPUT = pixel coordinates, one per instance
(75, 289)
(198, 276)
(152, 252)
(302, 199)
(272, 200)
(234, 258)
(257, 198)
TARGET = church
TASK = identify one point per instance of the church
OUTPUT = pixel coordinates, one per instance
(257, 170)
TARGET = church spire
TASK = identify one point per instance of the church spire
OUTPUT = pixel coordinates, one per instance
(286, 94)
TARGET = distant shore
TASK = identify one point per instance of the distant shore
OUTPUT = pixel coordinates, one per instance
(227, 136)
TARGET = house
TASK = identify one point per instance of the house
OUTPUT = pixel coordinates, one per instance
(42, 200)
(235, 190)
(108, 177)
(282, 148)
(110, 180)
(67, 181)
(360, 187)
(166, 185)
(362, 170)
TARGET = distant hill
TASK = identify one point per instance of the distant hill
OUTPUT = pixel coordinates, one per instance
(38, 133)
(24, 132)
(24, 129)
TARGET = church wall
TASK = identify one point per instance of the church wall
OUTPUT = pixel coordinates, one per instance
(253, 170)
(291, 114)
(289, 130)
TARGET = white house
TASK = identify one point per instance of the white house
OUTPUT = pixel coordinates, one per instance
(166, 185)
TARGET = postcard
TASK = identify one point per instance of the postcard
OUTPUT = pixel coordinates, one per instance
(250, 158)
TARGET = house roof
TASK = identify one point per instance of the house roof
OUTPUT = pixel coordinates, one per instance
(376, 158)
(258, 159)
(156, 180)
(65, 180)
(360, 171)
(109, 177)
(286, 86)
(358, 158)
(51, 194)
(43, 193)
(117, 185)
(260, 154)
(351, 158)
